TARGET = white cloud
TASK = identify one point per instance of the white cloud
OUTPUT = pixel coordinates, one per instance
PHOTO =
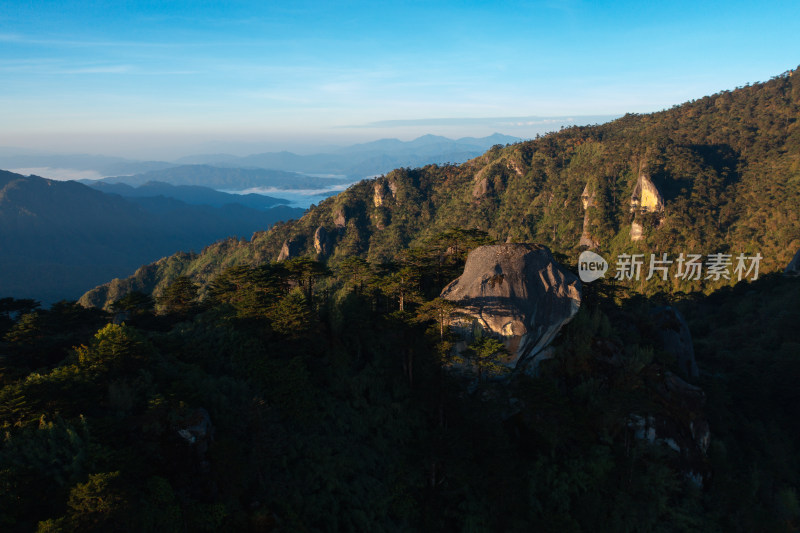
(61, 174)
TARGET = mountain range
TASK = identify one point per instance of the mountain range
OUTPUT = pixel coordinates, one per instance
(366, 159)
(190, 194)
(724, 169)
(60, 238)
(358, 160)
(403, 357)
(57, 247)
(226, 178)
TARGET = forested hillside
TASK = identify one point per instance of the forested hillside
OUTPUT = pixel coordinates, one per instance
(294, 397)
(727, 167)
(302, 380)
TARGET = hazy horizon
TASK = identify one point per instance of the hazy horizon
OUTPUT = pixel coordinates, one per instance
(160, 81)
(171, 147)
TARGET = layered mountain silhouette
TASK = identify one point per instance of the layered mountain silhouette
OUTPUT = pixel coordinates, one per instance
(275, 169)
(11, 158)
(59, 239)
(365, 159)
(235, 179)
(190, 194)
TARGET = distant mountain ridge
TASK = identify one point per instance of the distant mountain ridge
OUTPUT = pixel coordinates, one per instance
(726, 167)
(190, 194)
(359, 160)
(60, 238)
(227, 178)
(103, 165)
(365, 159)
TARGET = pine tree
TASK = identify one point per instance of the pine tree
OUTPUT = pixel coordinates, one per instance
(179, 297)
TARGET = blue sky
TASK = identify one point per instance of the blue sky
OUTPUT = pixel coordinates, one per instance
(158, 79)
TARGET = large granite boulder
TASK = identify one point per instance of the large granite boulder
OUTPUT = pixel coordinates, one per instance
(517, 293)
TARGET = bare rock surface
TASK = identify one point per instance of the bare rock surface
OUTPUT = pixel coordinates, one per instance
(322, 241)
(588, 200)
(517, 293)
(291, 248)
(645, 198)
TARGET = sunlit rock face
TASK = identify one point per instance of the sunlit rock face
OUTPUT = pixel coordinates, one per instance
(517, 293)
(588, 196)
(645, 199)
(291, 248)
(322, 241)
(637, 231)
(645, 196)
(588, 199)
(379, 194)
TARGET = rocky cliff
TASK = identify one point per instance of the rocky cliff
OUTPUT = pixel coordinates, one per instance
(645, 199)
(588, 200)
(517, 293)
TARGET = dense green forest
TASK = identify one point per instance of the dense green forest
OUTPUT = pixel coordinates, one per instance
(229, 391)
(727, 166)
(298, 398)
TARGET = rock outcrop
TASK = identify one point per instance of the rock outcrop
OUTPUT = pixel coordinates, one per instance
(517, 293)
(291, 248)
(645, 199)
(340, 218)
(673, 333)
(588, 199)
(482, 188)
(379, 194)
(680, 424)
(196, 430)
(645, 196)
(492, 177)
(793, 268)
(322, 241)
(392, 184)
(637, 231)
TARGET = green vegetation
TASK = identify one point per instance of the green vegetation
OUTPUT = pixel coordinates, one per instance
(727, 166)
(236, 393)
(328, 409)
